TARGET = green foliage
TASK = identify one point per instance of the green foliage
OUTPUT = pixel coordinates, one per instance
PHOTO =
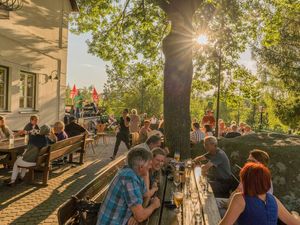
(129, 34)
(288, 111)
(68, 100)
(278, 56)
(123, 32)
(138, 87)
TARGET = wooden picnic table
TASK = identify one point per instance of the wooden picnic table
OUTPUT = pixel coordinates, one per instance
(13, 150)
(206, 208)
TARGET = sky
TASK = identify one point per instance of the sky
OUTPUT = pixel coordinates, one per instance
(85, 69)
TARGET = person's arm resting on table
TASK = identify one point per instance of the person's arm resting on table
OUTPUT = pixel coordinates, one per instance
(207, 166)
(133, 196)
(140, 213)
(199, 158)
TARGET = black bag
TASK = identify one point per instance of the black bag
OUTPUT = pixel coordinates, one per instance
(86, 212)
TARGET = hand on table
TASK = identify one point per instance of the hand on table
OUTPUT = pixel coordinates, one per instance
(132, 221)
(155, 202)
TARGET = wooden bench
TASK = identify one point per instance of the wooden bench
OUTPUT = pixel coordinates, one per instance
(95, 190)
(56, 151)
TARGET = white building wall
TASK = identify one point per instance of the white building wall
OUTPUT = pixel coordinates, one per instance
(34, 39)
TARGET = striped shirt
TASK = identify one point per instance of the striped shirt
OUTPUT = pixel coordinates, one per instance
(197, 136)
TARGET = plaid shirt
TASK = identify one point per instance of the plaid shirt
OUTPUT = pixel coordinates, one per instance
(126, 190)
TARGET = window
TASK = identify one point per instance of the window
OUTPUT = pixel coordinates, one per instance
(3, 87)
(27, 90)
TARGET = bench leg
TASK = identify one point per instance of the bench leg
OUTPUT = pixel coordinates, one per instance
(71, 158)
(46, 176)
(81, 157)
(93, 149)
(30, 176)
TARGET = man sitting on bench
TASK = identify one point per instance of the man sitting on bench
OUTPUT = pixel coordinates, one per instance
(38, 141)
(123, 203)
(217, 168)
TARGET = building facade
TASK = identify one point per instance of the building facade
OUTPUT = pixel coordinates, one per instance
(33, 61)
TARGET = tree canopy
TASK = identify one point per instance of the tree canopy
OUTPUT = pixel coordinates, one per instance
(151, 47)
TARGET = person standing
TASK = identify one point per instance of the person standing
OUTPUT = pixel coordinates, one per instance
(134, 121)
(78, 100)
(123, 134)
(209, 119)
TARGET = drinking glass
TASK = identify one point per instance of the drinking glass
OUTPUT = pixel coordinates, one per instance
(177, 156)
(178, 199)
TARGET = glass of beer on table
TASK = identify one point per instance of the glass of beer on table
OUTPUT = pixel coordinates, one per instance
(178, 199)
(177, 156)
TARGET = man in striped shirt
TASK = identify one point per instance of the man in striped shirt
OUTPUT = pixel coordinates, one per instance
(196, 135)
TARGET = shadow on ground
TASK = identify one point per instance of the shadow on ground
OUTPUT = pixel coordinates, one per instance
(57, 196)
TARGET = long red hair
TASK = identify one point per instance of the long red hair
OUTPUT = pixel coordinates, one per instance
(256, 179)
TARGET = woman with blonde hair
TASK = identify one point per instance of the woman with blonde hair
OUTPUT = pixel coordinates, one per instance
(59, 131)
(5, 132)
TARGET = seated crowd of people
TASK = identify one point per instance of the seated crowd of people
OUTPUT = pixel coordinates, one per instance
(38, 137)
(131, 196)
(252, 200)
(132, 124)
(207, 126)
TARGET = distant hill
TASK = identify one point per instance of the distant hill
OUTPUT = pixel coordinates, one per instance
(284, 151)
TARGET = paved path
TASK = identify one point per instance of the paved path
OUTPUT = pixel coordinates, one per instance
(34, 204)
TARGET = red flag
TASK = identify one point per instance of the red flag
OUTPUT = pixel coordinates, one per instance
(74, 92)
(95, 95)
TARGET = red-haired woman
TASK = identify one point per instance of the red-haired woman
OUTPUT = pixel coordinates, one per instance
(255, 205)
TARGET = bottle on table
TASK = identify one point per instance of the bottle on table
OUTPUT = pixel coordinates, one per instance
(26, 138)
(11, 140)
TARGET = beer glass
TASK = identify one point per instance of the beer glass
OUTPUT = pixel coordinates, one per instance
(178, 199)
(177, 156)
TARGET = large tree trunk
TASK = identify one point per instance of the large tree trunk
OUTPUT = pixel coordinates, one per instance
(178, 73)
